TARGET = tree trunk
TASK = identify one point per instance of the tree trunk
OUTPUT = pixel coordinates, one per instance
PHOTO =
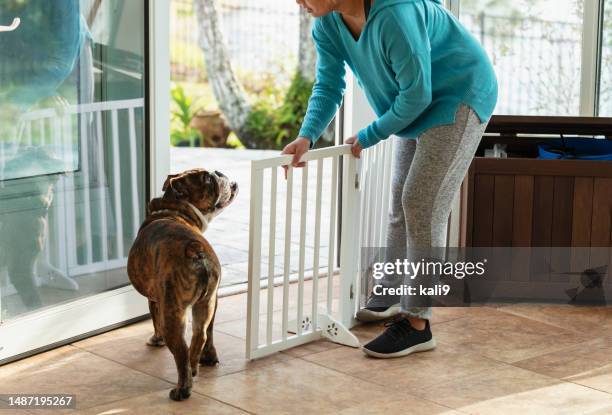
(227, 90)
(307, 55)
(307, 61)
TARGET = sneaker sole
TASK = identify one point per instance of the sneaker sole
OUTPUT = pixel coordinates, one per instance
(421, 347)
(366, 315)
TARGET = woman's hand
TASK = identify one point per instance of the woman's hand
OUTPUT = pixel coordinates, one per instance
(297, 148)
(355, 146)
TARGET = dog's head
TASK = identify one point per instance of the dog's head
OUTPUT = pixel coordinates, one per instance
(209, 192)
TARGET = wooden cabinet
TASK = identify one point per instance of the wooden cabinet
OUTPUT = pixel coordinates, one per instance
(533, 202)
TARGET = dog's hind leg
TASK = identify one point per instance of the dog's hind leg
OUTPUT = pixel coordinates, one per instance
(156, 340)
(203, 314)
(174, 329)
(209, 354)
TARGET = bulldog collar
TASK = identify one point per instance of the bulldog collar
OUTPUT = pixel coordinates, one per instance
(200, 216)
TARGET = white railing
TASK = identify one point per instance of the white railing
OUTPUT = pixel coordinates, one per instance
(376, 173)
(333, 289)
(81, 214)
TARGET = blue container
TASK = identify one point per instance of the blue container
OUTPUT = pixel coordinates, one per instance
(576, 149)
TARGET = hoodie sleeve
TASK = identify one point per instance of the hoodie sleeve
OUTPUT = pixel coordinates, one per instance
(407, 48)
(328, 88)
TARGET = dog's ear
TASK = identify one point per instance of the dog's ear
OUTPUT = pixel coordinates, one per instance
(174, 187)
(207, 178)
(168, 181)
(211, 184)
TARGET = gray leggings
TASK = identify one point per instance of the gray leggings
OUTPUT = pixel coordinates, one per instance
(427, 174)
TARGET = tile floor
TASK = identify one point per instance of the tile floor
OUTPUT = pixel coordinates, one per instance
(508, 359)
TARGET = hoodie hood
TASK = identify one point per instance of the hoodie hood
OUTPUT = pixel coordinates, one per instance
(381, 4)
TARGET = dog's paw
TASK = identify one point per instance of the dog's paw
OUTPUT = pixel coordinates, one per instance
(194, 371)
(209, 358)
(180, 394)
(156, 341)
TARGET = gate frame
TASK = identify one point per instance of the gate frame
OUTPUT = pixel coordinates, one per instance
(336, 328)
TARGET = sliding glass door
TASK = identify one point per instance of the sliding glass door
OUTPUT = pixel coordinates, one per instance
(72, 150)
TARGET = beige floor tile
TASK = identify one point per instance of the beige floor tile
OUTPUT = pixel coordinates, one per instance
(444, 314)
(600, 378)
(158, 403)
(93, 379)
(418, 370)
(158, 361)
(574, 360)
(311, 348)
(295, 386)
(591, 321)
(503, 336)
(233, 307)
(511, 390)
(6, 409)
(398, 405)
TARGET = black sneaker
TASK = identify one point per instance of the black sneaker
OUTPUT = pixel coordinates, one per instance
(378, 308)
(400, 339)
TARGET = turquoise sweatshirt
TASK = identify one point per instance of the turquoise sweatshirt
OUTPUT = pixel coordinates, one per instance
(415, 62)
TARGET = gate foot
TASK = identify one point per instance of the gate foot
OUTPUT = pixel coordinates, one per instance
(337, 332)
(331, 329)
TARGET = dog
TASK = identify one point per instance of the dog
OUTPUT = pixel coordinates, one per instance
(24, 206)
(174, 266)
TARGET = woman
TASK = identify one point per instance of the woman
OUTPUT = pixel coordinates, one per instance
(434, 89)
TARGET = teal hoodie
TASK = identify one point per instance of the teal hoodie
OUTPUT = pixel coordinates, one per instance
(415, 62)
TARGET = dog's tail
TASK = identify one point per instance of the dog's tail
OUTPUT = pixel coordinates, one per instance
(200, 261)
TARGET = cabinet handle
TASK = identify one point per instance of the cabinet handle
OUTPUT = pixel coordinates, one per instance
(13, 26)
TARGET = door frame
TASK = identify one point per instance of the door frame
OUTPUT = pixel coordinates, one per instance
(65, 323)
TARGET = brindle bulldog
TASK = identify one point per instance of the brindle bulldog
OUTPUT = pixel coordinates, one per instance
(173, 266)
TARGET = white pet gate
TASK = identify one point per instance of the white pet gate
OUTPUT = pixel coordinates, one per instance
(331, 231)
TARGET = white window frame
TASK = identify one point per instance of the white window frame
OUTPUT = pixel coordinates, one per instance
(591, 57)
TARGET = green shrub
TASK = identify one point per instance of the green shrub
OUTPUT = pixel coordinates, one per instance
(275, 126)
(182, 133)
(293, 110)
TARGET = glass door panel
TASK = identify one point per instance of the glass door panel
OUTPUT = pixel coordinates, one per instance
(72, 148)
(536, 48)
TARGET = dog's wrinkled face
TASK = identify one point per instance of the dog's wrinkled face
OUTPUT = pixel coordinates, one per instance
(209, 192)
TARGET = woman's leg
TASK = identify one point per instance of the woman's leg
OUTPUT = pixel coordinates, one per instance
(382, 307)
(403, 154)
(441, 161)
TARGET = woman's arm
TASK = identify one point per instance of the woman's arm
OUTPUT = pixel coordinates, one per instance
(326, 96)
(407, 48)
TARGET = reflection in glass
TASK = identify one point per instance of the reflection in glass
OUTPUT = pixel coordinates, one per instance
(71, 148)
